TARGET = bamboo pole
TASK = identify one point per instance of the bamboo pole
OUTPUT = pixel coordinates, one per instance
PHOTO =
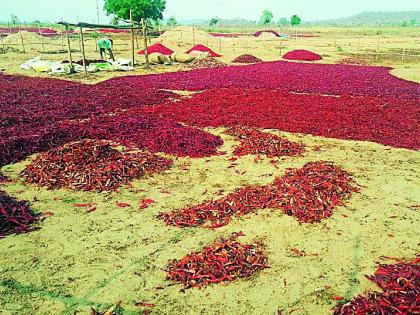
(42, 38)
(69, 50)
(2, 45)
(21, 40)
(132, 38)
(146, 53)
(83, 50)
(403, 52)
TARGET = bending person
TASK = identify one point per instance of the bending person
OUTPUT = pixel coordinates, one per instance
(105, 45)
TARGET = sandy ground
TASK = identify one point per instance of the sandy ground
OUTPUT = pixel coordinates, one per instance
(78, 260)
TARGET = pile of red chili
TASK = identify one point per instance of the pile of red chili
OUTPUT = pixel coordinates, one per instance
(206, 63)
(223, 261)
(203, 48)
(257, 142)
(246, 58)
(400, 283)
(309, 194)
(91, 165)
(157, 48)
(301, 54)
(15, 216)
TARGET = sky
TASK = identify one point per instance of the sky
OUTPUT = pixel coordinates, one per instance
(85, 10)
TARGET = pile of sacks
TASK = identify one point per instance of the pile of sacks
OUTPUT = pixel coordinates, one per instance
(159, 58)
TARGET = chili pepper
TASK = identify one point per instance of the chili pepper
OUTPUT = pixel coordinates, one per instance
(91, 165)
(222, 261)
(256, 142)
(144, 203)
(310, 194)
(400, 283)
(91, 209)
(122, 204)
(15, 216)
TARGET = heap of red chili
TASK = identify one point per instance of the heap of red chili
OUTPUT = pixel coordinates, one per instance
(246, 58)
(302, 54)
(91, 165)
(257, 142)
(400, 283)
(203, 48)
(309, 194)
(15, 216)
(222, 261)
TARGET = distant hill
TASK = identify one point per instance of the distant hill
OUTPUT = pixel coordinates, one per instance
(377, 18)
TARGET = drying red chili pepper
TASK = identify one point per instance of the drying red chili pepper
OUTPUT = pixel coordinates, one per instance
(144, 203)
(400, 283)
(15, 216)
(91, 165)
(122, 204)
(309, 194)
(222, 261)
(246, 58)
(257, 142)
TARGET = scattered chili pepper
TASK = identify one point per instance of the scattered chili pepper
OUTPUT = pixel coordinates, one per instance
(144, 203)
(91, 209)
(257, 142)
(15, 216)
(222, 261)
(337, 297)
(309, 194)
(400, 283)
(84, 205)
(91, 165)
(122, 204)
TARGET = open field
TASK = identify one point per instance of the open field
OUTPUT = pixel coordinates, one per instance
(95, 248)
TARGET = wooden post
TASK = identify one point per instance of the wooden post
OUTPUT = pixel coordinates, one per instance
(2, 45)
(193, 36)
(377, 49)
(160, 33)
(21, 40)
(132, 37)
(83, 50)
(281, 45)
(403, 52)
(69, 49)
(146, 53)
(220, 44)
(42, 38)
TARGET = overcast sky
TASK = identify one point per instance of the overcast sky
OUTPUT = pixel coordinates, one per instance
(85, 10)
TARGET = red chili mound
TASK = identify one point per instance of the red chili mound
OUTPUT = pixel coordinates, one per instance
(222, 261)
(206, 63)
(401, 285)
(203, 48)
(257, 34)
(91, 165)
(257, 142)
(246, 59)
(301, 54)
(157, 48)
(309, 194)
(15, 216)
(154, 134)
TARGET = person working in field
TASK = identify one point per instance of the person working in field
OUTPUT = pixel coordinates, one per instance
(105, 44)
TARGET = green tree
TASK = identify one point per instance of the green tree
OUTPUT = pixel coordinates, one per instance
(295, 20)
(214, 21)
(14, 19)
(141, 9)
(284, 21)
(172, 21)
(266, 17)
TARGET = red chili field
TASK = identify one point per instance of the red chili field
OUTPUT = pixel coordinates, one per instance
(269, 188)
